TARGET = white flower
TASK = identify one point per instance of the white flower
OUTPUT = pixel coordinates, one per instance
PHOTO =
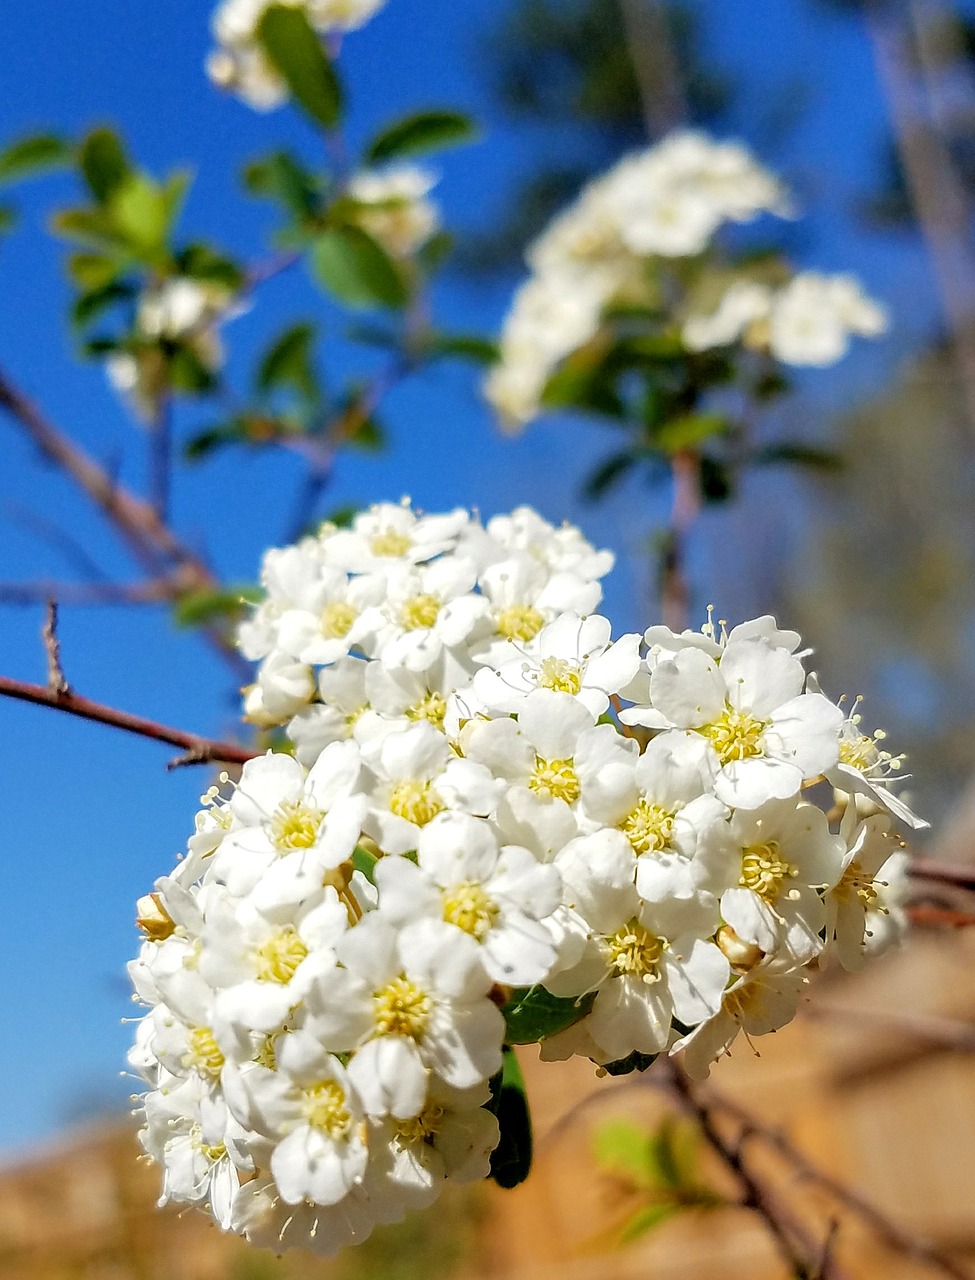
(570, 655)
(394, 209)
(768, 736)
(498, 896)
(864, 906)
(426, 609)
(744, 303)
(390, 534)
(812, 318)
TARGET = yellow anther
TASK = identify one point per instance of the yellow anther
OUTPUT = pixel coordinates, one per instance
(468, 907)
(401, 1008)
(422, 1127)
(636, 952)
(736, 735)
(648, 827)
(203, 1053)
(337, 619)
(416, 801)
(277, 960)
(390, 544)
(520, 622)
(764, 870)
(295, 825)
(559, 674)
(324, 1105)
(419, 612)
(432, 707)
(555, 779)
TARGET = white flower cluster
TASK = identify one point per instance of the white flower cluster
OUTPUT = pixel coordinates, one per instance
(663, 204)
(238, 63)
(178, 310)
(807, 321)
(394, 207)
(493, 805)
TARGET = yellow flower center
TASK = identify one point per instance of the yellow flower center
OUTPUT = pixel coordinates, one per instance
(203, 1053)
(468, 907)
(295, 825)
(431, 707)
(278, 959)
(416, 801)
(648, 827)
(764, 870)
(856, 883)
(422, 1127)
(211, 1153)
(520, 622)
(267, 1054)
(636, 952)
(555, 779)
(736, 735)
(337, 619)
(559, 674)
(419, 612)
(325, 1109)
(390, 543)
(401, 1009)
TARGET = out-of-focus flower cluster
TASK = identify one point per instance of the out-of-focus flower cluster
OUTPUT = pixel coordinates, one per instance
(642, 235)
(240, 64)
(493, 808)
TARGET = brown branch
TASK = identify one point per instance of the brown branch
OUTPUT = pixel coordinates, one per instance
(655, 65)
(931, 917)
(152, 591)
(674, 587)
(800, 1252)
(943, 873)
(947, 1033)
(198, 750)
(894, 1236)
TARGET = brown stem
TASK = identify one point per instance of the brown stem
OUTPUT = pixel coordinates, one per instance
(943, 873)
(799, 1251)
(931, 917)
(56, 681)
(887, 1230)
(198, 750)
(674, 587)
(152, 591)
(655, 65)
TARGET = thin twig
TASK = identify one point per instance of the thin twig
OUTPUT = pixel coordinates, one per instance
(948, 1033)
(651, 48)
(888, 1231)
(152, 591)
(931, 917)
(198, 750)
(943, 872)
(791, 1237)
(56, 681)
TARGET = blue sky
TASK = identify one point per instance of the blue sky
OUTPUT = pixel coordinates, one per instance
(91, 816)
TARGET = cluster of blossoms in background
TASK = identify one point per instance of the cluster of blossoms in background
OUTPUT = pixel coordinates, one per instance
(639, 237)
(491, 806)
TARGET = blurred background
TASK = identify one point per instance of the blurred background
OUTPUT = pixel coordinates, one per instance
(867, 109)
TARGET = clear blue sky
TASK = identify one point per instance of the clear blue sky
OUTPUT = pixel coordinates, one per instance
(91, 816)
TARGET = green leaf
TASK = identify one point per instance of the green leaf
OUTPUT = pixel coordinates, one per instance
(431, 255)
(511, 1159)
(599, 482)
(533, 1014)
(644, 1220)
(201, 262)
(369, 436)
(213, 438)
(89, 226)
(621, 1147)
(141, 209)
(716, 482)
(93, 302)
(632, 1062)
(187, 372)
(364, 862)
(279, 176)
(419, 133)
(104, 165)
(664, 1154)
(92, 270)
(463, 346)
(792, 453)
(356, 270)
(33, 154)
(8, 218)
(287, 362)
(197, 608)
(688, 431)
(295, 50)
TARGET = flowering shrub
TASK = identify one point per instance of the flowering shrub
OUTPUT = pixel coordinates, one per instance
(489, 824)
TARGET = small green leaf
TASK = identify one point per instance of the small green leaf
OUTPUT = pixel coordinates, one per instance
(369, 436)
(287, 362)
(533, 1014)
(104, 165)
(200, 262)
(793, 453)
(8, 218)
(197, 608)
(279, 176)
(93, 302)
(188, 373)
(356, 270)
(89, 226)
(33, 154)
(419, 133)
(213, 438)
(294, 49)
(623, 1148)
(688, 431)
(92, 270)
(463, 346)
(632, 1062)
(644, 1220)
(599, 482)
(364, 862)
(511, 1159)
(716, 481)
(141, 211)
(664, 1154)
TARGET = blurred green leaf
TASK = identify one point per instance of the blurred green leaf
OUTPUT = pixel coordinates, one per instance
(688, 431)
(33, 154)
(465, 346)
(434, 252)
(369, 436)
(533, 1014)
(599, 482)
(621, 1147)
(356, 270)
(294, 49)
(288, 363)
(92, 270)
(8, 217)
(424, 131)
(792, 453)
(93, 302)
(187, 372)
(279, 176)
(644, 1220)
(89, 226)
(201, 262)
(212, 438)
(142, 211)
(199, 607)
(364, 862)
(104, 165)
(716, 481)
(512, 1158)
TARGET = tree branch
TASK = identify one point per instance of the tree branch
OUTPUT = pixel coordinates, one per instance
(198, 750)
(943, 873)
(152, 591)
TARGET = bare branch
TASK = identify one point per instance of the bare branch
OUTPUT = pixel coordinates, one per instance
(198, 750)
(886, 1229)
(152, 591)
(947, 1033)
(943, 873)
(56, 681)
(931, 917)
